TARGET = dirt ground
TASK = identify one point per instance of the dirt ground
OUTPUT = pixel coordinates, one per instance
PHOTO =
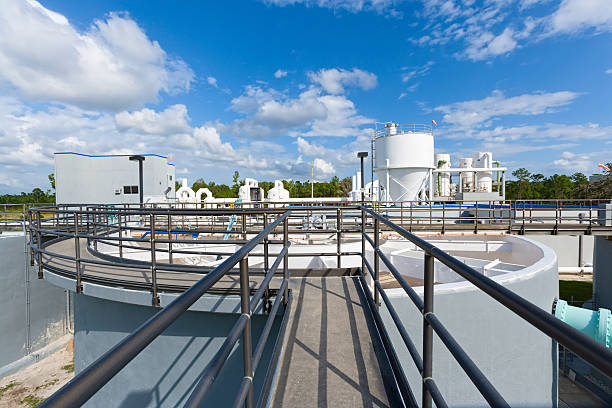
(31, 385)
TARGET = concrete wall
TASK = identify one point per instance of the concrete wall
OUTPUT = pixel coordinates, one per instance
(602, 272)
(33, 311)
(519, 360)
(566, 248)
(96, 179)
(164, 374)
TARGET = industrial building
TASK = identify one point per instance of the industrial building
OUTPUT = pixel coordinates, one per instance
(112, 179)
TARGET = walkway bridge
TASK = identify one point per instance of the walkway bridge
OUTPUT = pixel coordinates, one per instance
(332, 347)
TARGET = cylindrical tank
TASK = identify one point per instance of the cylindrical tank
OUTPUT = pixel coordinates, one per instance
(442, 161)
(483, 160)
(467, 178)
(404, 157)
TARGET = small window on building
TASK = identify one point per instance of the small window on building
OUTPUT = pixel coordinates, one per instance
(170, 177)
(130, 189)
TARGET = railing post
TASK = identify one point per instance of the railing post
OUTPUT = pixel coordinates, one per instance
(286, 259)
(443, 216)
(244, 235)
(77, 254)
(428, 275)
(31, 237)
(339, 236)
(153, 265)
(376, 261)
(169, 238)
(120, 236)
(363, 241)
(476, 222)
(95, 228)
(266, 248)
(246, 334)
(39, 245)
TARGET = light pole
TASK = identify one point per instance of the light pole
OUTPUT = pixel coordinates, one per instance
(139, 159)
(362, 155)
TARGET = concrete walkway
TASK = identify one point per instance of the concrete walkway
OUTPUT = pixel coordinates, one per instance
(329, 356)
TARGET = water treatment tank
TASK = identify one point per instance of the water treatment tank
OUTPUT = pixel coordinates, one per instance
(467, 178)
(483, 160)
(403, 159)
(442, 180)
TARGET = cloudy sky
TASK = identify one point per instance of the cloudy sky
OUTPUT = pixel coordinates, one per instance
(269, 87)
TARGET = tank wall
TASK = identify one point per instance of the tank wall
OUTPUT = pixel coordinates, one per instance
(167, 370)
(523, 368)
(405, 150)
(47, 304)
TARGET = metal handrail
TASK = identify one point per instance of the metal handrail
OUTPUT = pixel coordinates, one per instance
(84, 385)
(582, 345)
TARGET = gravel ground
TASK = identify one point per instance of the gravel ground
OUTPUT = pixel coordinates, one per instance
(31, 385)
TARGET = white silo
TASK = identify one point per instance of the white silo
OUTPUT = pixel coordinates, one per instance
(467, 178)
(483, 160)
(403, 160)
(442, 179)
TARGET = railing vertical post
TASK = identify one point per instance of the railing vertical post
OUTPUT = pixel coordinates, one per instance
(363, 241)
(120, 236)
(402, 213)
(95, 228)
(169, 238)
(244, 235)
(39, 245)
(339, 236)
(428, 275)
(443, 216)
(266, 245)
(153, 265)
(376, 261)
(286, 259)
(246, 334)
(410, 216)
(31, 237)
(476, 222)
(77, 254)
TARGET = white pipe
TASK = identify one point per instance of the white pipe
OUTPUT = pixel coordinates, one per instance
(204, 190)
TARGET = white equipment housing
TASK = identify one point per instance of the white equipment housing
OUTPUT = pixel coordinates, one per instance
(443, 161)
(403, 161)
(484, 181)
(278, 192)
(250, 191)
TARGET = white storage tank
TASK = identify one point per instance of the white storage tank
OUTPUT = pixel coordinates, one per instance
(278, 192)
(403, 160)
(484, 181)
(442, 181)
(250, 191)
(467, 178)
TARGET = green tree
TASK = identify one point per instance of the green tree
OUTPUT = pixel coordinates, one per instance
(51, 178)
(522, 176)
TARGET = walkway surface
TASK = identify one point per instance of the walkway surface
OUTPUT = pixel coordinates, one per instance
(329, 357)
(572, 395)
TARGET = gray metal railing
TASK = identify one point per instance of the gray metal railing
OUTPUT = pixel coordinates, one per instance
(84, 385)
(594, 353)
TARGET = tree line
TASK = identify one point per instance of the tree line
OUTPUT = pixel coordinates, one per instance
(527, 186)
(536, 186)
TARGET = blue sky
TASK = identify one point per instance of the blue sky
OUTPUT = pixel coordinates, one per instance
(268, 87)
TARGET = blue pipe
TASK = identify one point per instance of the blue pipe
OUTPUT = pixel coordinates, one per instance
(597, 324)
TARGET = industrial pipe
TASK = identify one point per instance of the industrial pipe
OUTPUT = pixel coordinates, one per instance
(594, 323)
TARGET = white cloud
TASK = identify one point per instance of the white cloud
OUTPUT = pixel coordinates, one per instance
(212, 81)
(112, 65)
(323, 169)
(476, 112)
(280, 73)
(493, 27)
(578, 15)
(350, 5)
(609, 71)
(415, 72)
(170, 121)
(312, 113)
(334, 80)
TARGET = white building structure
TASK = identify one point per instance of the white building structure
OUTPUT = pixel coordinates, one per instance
(112, 179)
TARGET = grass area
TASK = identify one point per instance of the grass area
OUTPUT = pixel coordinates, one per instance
(69, 368)
(580, 290)
(32, 401)
(7, 387)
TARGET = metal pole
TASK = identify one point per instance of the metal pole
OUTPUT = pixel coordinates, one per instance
(153, 266)
(140, 181)
(39, 246)
(120, 240)
(77, 251)
(363, 241)
(286, 259)
(246, 334)
(376, 261)
(266, 245)
(362, 183)
(170, 238)
(428, 276)
(338, 236)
